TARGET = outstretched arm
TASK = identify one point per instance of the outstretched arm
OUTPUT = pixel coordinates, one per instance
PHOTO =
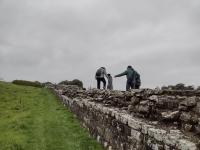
(121, 74)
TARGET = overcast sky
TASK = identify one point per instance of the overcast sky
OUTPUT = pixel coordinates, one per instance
(55, 40)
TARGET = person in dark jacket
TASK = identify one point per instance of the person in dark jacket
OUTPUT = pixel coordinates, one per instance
(131, 77)
(110, 82)
(100, 74)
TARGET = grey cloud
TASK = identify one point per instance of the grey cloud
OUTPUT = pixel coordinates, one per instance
(56, 40)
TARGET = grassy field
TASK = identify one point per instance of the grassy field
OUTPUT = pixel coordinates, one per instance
(33, 119)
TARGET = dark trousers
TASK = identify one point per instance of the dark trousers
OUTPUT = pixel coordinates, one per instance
(129, 85)
(99, 80)
(137, 86)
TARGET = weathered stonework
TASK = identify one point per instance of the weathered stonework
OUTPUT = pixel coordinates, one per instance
(137, 120)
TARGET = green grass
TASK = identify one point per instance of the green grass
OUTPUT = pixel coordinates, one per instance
(33, 119)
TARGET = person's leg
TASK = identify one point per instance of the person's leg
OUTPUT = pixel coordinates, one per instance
(98, 83)
(104, 83)
(132, 85)
(127, 86)
(137, 86)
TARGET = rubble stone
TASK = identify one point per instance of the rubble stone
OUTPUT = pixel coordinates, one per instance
(185, 116)
(170, 115)
(186, 145)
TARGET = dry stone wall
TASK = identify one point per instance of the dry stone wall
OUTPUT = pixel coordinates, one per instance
(137, 120)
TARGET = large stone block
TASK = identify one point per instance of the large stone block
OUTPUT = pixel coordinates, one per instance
(185, 116)
(135, 124)
(186, 145)
(170, 116)
(136, 135)
(158, 134)
(145, 128)
(189, 102)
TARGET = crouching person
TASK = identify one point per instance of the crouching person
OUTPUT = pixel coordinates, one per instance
(100, 74)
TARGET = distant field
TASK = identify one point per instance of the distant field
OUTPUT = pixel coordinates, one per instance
(32, 119)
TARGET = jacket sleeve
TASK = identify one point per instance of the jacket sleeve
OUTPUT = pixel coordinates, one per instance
(121, 74)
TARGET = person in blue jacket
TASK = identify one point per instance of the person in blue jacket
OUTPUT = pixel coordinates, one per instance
(132, 76)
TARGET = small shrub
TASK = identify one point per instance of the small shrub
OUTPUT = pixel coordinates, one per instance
(73, 82)
(179, 86)
(27, 83)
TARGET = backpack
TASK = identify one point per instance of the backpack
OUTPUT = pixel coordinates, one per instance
(137, 79)
(98, 73)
